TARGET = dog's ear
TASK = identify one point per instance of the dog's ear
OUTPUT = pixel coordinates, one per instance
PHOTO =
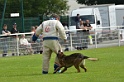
(59, 51)
(60, 54)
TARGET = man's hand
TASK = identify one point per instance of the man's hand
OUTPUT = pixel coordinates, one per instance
(34, 37)
(89, 28)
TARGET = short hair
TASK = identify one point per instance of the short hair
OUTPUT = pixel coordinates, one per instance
(78, 14)
(14, 24)
(56, 16)
(4, 25)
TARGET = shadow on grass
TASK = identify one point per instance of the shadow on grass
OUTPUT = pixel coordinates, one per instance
(38, 74)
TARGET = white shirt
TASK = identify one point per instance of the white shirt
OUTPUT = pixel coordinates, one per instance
(24, 41)
(51, 28)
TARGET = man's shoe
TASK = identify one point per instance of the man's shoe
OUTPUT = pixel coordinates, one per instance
(55, 67)
(44, 72)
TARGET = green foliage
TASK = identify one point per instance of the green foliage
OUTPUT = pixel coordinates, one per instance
(12, 6)
(94, 2)
(28, 68)
(33, 8)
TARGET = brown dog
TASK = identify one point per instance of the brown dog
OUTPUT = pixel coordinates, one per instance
(76, 59)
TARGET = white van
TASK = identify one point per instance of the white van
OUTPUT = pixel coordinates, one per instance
(86, 13)
(119, 14)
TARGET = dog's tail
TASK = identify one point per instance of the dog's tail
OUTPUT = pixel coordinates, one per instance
(92, 59)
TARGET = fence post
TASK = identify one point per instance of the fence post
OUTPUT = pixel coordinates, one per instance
(17, 45)
(95, 38)
(22, 16)
(71, 41)
(118, 36)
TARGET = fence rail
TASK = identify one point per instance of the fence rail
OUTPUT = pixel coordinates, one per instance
(105, 38)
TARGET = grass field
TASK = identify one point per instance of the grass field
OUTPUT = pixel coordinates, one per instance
(109, 68)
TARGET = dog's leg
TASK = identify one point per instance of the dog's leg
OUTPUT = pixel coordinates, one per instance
(57, 69)
(77, 67)
(82, 65)
(65, 68)
(77, 64)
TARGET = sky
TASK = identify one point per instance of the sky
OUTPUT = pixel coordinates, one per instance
(73, 5)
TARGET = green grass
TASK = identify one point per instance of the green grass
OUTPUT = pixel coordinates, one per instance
(109, 68)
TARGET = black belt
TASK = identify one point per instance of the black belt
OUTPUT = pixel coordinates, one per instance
(50, 38)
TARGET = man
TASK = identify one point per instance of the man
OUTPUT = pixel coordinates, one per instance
(6, 33)
(86, 33)
(87, 25)
(50, 29)
(24, 42)
(77, 20)
(15, 37)
(78, 33)
(14, 29)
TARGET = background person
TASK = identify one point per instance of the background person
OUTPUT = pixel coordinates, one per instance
(51, 30)
(123, 23)
(79, 36)
(24, 42)
(122, 31)
(77, 20)
(39, 41)
(14, 29)
(33, 29)
(4, 39)
(15, 38)
(66, 28)
(86, 27)
(5, 31)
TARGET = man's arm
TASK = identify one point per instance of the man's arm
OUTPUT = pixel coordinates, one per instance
(90, 27)
(37, 33)
(61, 31)
(39, 30)
(4, 33)
(34, 37)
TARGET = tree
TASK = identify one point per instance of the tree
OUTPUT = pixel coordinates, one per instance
(11, 7)
(94, 2)
(35, 7)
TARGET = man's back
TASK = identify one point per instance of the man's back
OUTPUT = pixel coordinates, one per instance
(51, 28)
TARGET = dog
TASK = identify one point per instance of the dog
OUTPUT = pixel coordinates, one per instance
(76, 59)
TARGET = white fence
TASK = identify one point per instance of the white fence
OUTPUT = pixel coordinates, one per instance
(105, 38)
(11, 44)
(100, 38)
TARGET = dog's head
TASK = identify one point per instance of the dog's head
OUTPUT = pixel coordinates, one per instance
(60, 54)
